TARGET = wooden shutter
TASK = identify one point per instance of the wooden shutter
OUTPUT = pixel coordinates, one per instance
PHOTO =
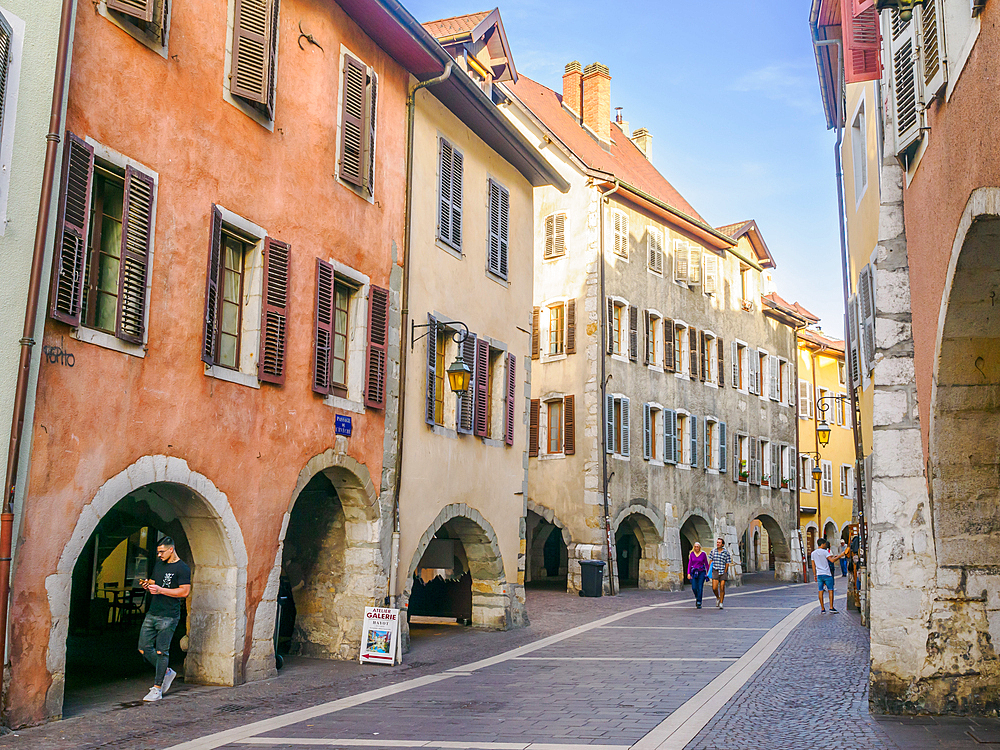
(866, 297)
(633, 333)
(536, 406)
(457, 162)
(253, 41)
(274, 314)
(752, 461)
(371, 106)
(719, 349)
(905, 82)
(508, 435)
(703, 351)
(536, 332)
(693, 352)
(646, 432)
(654, 247)
(707, 459)
(646, 358)
(763, 374)
(736, 364)
(482, 378)
(498, 229)
(138, 9)
(609, 424)
(137, 230)
(754, 372)
(466, 412)
(450, 195)
(550, 237)
(680, 260)
(932, 49)
(722, 447)
(625, 427)
(694, 441)
(669, 436)
(621, 233)
(611, 325)
(6, 37)
(711, 284)
(323, 328)
(793, 470)
(352, 121)
(694, 264)
(377, 361)
(569, 425)
(571, 326)
(668, 345)
(210, 338)
(775, 479)
(854, 351)
(431, 387)
(560, 234)
(861, 43)
(72, 231)
(774, 368)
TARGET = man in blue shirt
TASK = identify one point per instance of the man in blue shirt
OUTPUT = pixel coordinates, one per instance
(720, 560)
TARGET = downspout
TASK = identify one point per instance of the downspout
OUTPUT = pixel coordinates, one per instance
(820, 526)
(795, 458)
(404, 317)
(52, 138)
(602, 318)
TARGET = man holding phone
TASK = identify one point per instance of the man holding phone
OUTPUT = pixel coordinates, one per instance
(171, 582)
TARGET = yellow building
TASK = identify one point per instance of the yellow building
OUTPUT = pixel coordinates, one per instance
(826, 499)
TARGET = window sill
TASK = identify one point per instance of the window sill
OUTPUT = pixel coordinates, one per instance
(493, 443)
(686, 467)
(620, 457)
(655, 368)
(553, 258)
(655, 462)
(135, 32)
(553, 357)
(710, 384)
(443, 431)
(619, 255)
(497, 278)
(453, 251)
(657, 274)
(550, 456)
(232, 376)
(621, 358)
(108, 341)
(682, 375)
(682, 284)
(344, 404)
(712, 471)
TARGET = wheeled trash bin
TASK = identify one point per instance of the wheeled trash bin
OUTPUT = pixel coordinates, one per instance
(592, 574)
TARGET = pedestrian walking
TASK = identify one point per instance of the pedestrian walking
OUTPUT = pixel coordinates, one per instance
(171, 582)
(720, 559)
(821, 559)
(697, 570)
(843, 559)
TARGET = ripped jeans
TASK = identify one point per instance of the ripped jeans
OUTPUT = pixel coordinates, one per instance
(154, 642)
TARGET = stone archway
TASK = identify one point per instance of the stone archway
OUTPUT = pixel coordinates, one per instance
(779, 549)
(217, 605)
(695, 528)
(645, 526)
(493, 604)
(545, 538)
(335, 630)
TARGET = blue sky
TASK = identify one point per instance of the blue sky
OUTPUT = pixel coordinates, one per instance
(729, 91)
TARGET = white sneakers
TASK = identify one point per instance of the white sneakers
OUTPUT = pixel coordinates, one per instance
(720, 605)
(154, 694)
(168, 680)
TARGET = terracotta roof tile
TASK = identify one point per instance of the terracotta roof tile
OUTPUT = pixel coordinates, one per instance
(778, 301)
(817, 338)
(731, 230)
(455, 24)
(625, 161)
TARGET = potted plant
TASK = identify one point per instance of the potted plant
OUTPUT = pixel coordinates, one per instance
(784, 483)
(744, 474)
(765, 480)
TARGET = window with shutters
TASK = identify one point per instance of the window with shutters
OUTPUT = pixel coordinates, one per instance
(686, 254)
(784, 378)
(116, 247)
(711, 444)
(842, 372)
(557, 329)
(450, 175)
(805, 474)
(787, 467)
(741, 367)
(683, 433)
(496, 391)
(554, 426)
(11, 44)
(620, 234)
(499, 228)
(251, 59)
(342, 293)
(682, 349)
(555, 236)
(711, 271)
(761, 373)
(146, 21)
(620, 329)
(764, 456)
(357, 121)
(827, 487)
(440, 374)
(847, 481)
(747, 288)
(805, 399)
(653, 339)
(741, 459)
(654, 250)
(617, 421)
(859, 152)
(652, 433)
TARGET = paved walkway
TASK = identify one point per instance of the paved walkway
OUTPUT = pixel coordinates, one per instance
(644, 670)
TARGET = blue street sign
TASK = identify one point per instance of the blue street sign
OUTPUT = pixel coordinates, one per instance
(343, 424)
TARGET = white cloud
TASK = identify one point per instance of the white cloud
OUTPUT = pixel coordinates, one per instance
(792, 84)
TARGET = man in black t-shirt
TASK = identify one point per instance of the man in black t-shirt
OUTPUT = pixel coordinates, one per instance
(171, 582)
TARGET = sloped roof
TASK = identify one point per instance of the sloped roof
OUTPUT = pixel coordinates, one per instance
(793, 307)
(749, 227)
(818, 339)
(734, 230)
(625, 160)
(456, 24)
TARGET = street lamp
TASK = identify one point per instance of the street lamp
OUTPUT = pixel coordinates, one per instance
(823, 428)
(459, 373)
(905, 7)
(823, 433)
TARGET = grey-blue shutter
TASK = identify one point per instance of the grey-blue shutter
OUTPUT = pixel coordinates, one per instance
(646, 433)
(431, 368)
(625, 427)
(736, 365)
(722, 447)
(694, 441)
(467, 400)
(669, 436)
(707, 463)
(609, 424)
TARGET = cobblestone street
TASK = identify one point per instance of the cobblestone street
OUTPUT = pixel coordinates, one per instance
(644, 670)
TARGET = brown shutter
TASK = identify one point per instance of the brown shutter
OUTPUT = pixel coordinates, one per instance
(139, 9)
(668, 345)
(722, 360)
(703, 347)
(378, 346)
(274, 312)
(457, 161)
(137, 226)
(323, 332)
(72, 230)
(571, 326)
(431, 370)
(536, 405)
(550, 223)
(210, 339)
(645, 327)
(569, 425)
(466, 413)
(536, 334)
(508, 435)
(253, 32)
(633, 333)
(352, 122)
(611, 323)
(372, 101)
(693, 352)
(482, 374)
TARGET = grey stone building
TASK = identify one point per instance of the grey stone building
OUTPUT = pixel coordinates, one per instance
(662, 409)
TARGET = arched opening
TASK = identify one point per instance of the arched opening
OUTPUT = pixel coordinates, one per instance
(457, 573)
(831, 534)
(107, 603)
(640, 556)
(694, 529)
(778, 553)
(547, 564)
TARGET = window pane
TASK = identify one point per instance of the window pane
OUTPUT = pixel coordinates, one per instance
(555, 427)
(107, 274)
(114, 197)
(227, 350)
(106, 314)
(341, 320)
(439, 379)
(230, 318)
(556, 329)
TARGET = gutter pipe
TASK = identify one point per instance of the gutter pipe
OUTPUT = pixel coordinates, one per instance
(602, 317)
(52, 138)
(405, 314)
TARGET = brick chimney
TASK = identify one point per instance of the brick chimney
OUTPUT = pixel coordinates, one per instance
(573, 88)
(597, 100)
(644, 140)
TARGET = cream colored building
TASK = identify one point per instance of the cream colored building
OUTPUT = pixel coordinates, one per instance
(468, 296)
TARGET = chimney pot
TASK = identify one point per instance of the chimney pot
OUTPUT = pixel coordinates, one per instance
(573, 89)
(643, 139)
(597, 100)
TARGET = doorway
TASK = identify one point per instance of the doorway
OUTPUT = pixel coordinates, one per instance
(547, 564)
(629, 552)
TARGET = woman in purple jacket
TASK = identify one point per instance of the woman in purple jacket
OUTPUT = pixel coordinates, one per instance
(697, 571)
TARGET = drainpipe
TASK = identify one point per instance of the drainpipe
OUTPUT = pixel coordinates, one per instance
(30, 313)
(602, 318)
(819, 494)
(405, 314)
(795, 458)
